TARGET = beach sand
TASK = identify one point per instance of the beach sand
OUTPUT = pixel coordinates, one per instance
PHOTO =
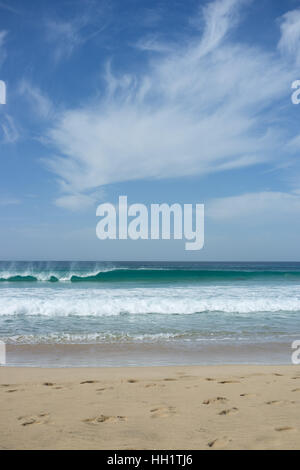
(186, 407)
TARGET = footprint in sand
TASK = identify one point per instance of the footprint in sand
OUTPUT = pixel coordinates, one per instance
(219, 443)
(163, 412)
(229, 382)
(88, 382)
(48, 384)
(296, 390)
(209, 379)
(105, 419)
(211, 401)
(159, 385)
(11, 391)
(42, 418)
(280, 402)
(228, 411)
(169, 380)
(244, 395)
(284, 429)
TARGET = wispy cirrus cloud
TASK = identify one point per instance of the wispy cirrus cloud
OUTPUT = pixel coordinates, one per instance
(219, 18)
(65, 35)
(152, 42)
(201, 106)
(3, 35)
(7, 7)
(289, 43)
(9, 201)
(69, 34)
(8, 129)
(40, 102)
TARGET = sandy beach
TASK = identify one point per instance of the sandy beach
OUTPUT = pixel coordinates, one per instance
(186, 407)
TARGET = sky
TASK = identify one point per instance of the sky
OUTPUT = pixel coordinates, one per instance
(163, 101)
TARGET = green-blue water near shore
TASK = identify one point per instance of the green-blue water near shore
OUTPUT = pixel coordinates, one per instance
(93, 302)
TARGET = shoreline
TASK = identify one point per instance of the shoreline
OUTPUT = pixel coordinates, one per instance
(148, 354)
(183, 407)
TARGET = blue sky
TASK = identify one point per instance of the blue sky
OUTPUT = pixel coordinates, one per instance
(163, 101)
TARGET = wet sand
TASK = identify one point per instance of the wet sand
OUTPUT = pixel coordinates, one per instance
(143, 354)
(184, 407)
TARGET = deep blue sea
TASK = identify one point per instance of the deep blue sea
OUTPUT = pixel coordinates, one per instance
(149, 303)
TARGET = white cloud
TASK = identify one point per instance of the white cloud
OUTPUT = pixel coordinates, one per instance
(9, 201)
(202, 107)
(78, 202)
(9, 129)
(3, 35)
(152, 43)
(219, 18)
(41, 103)
(267, 204)
(71, 33)
(289, 43)
(5, 6)
(66, 36)
(75, 202)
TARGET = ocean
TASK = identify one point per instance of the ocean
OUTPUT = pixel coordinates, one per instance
(154, 313)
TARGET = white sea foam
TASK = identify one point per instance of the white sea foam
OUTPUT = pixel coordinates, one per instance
(91, 338)
(104, 302)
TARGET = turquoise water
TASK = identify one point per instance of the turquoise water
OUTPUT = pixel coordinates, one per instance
(88, 303)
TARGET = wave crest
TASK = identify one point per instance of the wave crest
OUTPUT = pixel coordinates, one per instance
(149, 275)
